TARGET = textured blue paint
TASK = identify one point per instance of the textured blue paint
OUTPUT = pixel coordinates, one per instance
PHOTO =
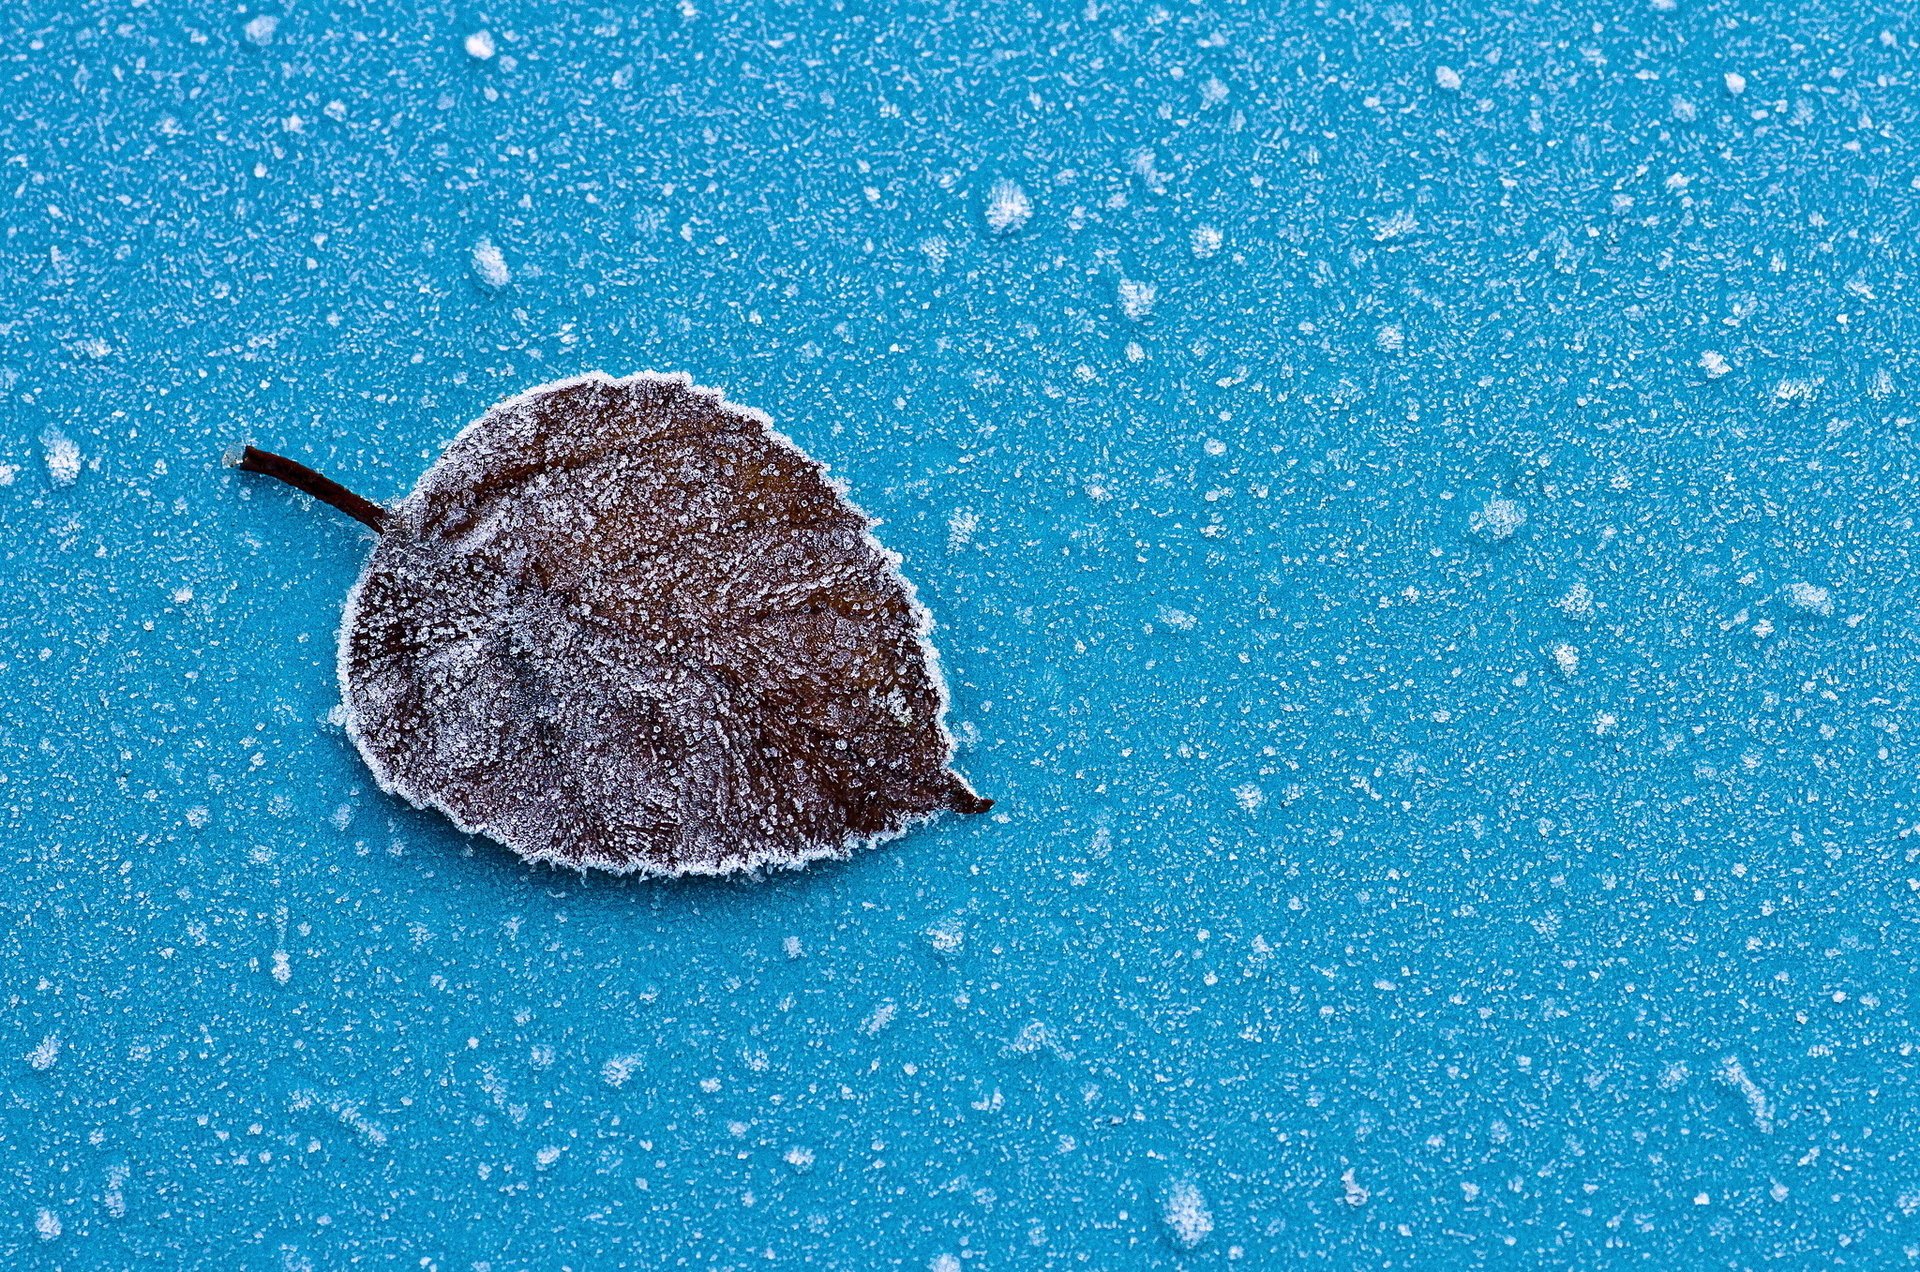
(1323, 892)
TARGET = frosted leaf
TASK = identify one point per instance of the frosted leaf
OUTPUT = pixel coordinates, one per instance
(624, 624)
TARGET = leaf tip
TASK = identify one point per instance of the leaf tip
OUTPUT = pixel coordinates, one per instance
(963, 799)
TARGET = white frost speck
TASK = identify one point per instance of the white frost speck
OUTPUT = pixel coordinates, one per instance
(1735, 1075)
(480, 46)
(800, 1159)
(1188, 1219)
(282, 967)
(1136, 298)
(1205, 241)
(944, 1263)
(1399, 225)
(948, 936)
(1008, 207)
(1351, 1190)
(1809, 597)
(1249, 797)
(1577, 603)
(62, 455)
(1567, 659)
(960, 528)
(1713, 364)
(7, 473)
(1446, 77)
(44, 1056)
(548, 1156)
(47, 1224)
(1498, 519)
(879, 1019)
(260, 29)
(115, 1196)
(1736, 83)
(1390, 338)
(616, 1071)
(489, 266)
(792, 947)
(1797, 391)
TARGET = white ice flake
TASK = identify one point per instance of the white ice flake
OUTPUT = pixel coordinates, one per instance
(1189, 1220)
(1008, 207)
(489, 265)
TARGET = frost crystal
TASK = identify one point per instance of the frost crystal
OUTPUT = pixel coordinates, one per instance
(1809, 597)
(1008, 207)
(1188, 1219)
(1577, 603)
(616, 1071)
(480, 46)
(947, 936)
(62, 456)
(624, 624)
(489, 266)
(1498, 519)
(1205, 241)
(1136, 298)
(46, 1054)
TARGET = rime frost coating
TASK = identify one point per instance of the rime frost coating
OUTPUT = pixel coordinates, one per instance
(624, 624)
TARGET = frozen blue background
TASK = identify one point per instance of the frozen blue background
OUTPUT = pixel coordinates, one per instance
(1319, 883)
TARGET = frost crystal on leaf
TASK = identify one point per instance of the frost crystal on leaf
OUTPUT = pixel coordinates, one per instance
(624, 624)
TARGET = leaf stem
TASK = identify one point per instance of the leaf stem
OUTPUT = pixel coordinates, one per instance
(249, 459)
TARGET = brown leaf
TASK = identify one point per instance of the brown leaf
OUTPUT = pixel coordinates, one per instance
(625, 624)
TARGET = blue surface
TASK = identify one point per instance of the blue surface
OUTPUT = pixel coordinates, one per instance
(1324, 896)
